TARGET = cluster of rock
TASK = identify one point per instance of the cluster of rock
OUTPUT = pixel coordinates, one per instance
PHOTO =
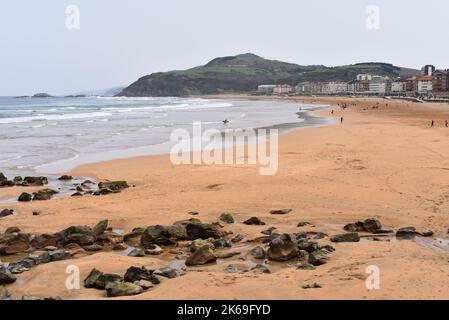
(22, 182)
(5, 295)
(135, 281)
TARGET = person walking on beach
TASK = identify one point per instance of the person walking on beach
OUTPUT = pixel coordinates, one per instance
(341, 120)
(446, 124)
(332, 112)
(432, 124)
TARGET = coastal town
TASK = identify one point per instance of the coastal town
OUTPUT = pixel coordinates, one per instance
(431, 84)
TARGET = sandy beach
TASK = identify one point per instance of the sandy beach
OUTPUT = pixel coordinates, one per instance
(384, 162)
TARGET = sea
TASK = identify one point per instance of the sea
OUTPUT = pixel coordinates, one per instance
(54, 135)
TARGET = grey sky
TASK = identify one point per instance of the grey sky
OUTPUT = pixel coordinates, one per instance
(120, 41)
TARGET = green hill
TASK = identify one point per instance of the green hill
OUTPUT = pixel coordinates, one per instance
(243, 73)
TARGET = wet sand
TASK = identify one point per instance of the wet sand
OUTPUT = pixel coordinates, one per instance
(385, 163)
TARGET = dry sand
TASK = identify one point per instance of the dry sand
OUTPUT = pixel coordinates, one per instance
(385, 163)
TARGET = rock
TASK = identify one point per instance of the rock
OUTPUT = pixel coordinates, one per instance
(113, 185)
(103, 192)
(121, 289)
(50, 248)
(318, 258)
(169, 273)
(406, 233)
(6, 212)
(254, 221)
(40, 257)
(201, 256)
(232, 269)
(45, 240)
(35, 181)
(282, 248)
(227, 255)
(163, 235)
(44, 194)
(100, 228)
(59, 255)
(303, 224)
(261, 268)
(12, 230)
(237, 238)
(319, 235)
(17, 179)
(14, 243)
(7, 183)
(6, 277)
(93, 248)
(258, 252)
(36, 213)
(227, 218)
(4, 294)
(282, 211)
(65, 178)
(79, 189)
(193, 213)
(80, 239)
(137, 253)
(134, 238)
(369, 225)
(154, 250)
(427, 233)
(311, 286)
(144, 284)
(198, 230)
(347, 237)
(134, 274)
(3, 177)
(75, 230)
(25, 197)
(77, 194)
(305, 266)
(221, 243)
(269, 231)
(92, 278)
(198, 243)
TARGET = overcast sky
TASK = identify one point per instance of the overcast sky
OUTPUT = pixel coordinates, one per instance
(120, 41)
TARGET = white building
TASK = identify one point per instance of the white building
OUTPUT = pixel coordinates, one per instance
(398, 87)
(425, 84)
(282, 89)
(364, 77)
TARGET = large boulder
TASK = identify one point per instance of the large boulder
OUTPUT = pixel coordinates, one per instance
(14, 243)
(201, 256)
(35, 181)
(122, 289)
(113, 185)
(44, 194)
(163, 235)
(25, 197)
(369, 225)
(282, 248)
(134, 274)
(199, 230)
(99, 280)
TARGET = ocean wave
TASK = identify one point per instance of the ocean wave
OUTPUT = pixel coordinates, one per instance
(69, 116)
